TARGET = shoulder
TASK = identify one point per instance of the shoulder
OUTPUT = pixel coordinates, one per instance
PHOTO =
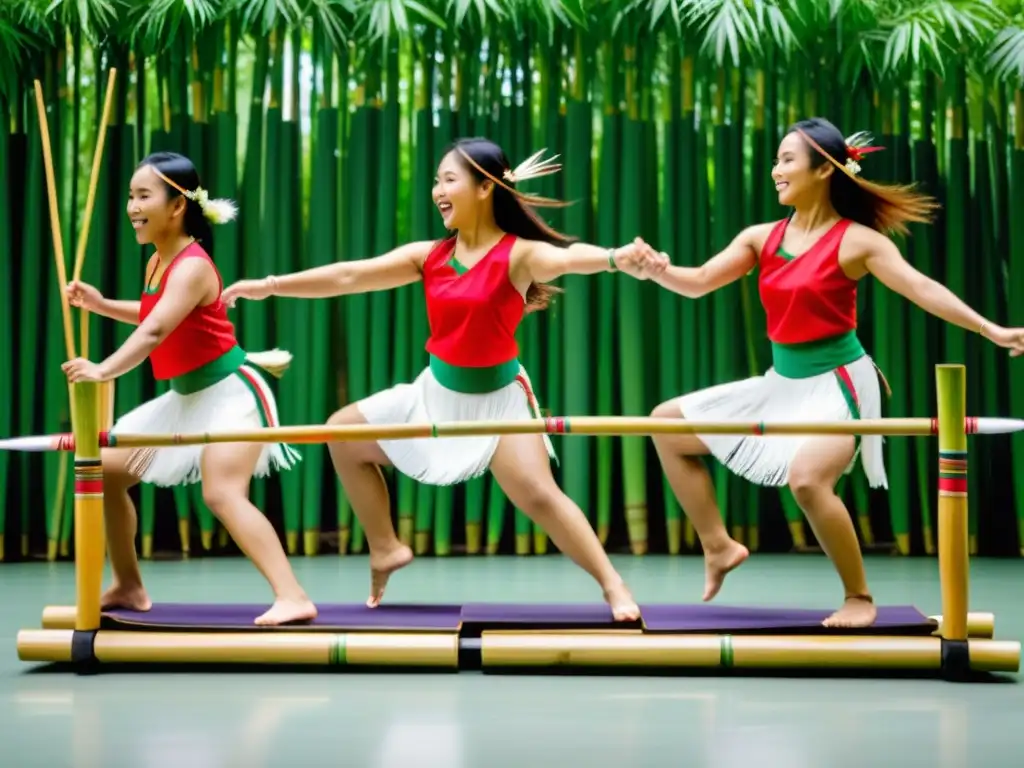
(861, 240)
(192, 266)
(420, 251)
(756, 235)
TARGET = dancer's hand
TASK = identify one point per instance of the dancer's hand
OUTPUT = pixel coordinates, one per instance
(254, 290)
(640, 260)
(83, 295)
(81, 369)
(1008, 338)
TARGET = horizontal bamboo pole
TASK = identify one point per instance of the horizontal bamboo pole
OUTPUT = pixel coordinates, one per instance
(583, 425)
(541, 649)
(518, 649)
(403, 649)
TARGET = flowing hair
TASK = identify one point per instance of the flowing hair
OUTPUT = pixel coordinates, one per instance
(886, 208)
(513, 211)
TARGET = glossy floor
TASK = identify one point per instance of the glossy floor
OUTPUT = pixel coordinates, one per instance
(469, 720)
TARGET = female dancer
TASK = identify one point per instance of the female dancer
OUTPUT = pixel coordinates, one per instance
(478, 285)
(809, 266)
(184, 331)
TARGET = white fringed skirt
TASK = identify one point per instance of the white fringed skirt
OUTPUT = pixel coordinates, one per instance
(240, 401)
(447, 460)
(765, 460)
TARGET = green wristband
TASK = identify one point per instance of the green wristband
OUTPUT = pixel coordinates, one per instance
(611, 260)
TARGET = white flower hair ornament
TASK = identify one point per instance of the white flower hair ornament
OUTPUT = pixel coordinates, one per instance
(217, 211)
(858, 145)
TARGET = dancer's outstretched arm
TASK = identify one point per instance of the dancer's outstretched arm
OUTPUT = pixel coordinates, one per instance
(543, 262)
(883, 259)
(728, 266)
(401, 266)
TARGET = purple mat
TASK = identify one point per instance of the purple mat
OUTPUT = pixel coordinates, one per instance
(424, 618)
(476, 617)
(724, 618)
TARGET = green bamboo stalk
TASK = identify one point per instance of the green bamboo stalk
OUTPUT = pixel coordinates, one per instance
(421, 215)
(577, 302)
(6, 317)
(921, 329)
(322, 236)
(889, 313)
(385, 304)
(1016, 309)
(292, 318)
(63, 123)
(955, 268)
(631, 364)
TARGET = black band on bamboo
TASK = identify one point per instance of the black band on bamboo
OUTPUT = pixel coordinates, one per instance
(956, 660)
(83, 652)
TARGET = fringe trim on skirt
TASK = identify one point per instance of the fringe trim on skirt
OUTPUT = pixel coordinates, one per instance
(447, 460)
(240, 401)
(765, 460)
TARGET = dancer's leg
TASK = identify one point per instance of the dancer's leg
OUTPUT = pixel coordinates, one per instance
(358, 464)
(227, 471)
(691, 484)
(813, 475)
(523, 470)
(121, 524)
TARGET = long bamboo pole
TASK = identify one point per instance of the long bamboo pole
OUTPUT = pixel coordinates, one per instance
(58, 241)
(90, 201)
(584, 425)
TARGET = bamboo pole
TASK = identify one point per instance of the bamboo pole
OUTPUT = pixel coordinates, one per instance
(89, 537)
(58, 241)
(90, 201)
(584, 425)
(951, 386)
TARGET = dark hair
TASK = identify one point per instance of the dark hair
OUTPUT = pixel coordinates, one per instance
(883, 207)
(182, 172)
(511, 214)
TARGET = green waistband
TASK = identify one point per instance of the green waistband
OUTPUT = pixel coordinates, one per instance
(474, 381)
(813, 358)
(209, 374)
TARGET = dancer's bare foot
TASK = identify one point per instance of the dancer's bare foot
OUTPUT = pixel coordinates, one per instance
(718, 562)
(620, 600)
(287, 611)
(129, 598)
(382, 565)
(858, 611)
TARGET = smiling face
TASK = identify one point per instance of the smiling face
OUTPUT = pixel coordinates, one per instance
(457, 193)
(795, 179)
(150, 209)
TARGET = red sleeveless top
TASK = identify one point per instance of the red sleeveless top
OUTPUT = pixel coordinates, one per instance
(203, 336)
(807, 298)
(473, 313)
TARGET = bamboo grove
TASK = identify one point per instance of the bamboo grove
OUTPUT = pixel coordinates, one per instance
(325, 121)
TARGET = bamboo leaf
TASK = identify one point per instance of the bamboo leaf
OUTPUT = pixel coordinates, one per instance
(1006, 58)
